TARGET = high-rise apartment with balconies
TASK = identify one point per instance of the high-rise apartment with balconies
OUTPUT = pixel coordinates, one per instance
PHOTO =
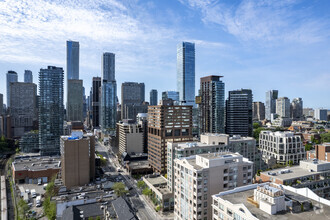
(198, 177)
(211, 105)
(51, 109)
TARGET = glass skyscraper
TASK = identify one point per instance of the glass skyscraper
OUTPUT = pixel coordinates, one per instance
(186, 72)
(174, 95)
(11, 77)
(28, 78)
(270, 106)
(72, 60)
(108, 67)
(108, 117)
(211, 105)
(153, 97)
(109, 106)
(239, 113)
(51, 110)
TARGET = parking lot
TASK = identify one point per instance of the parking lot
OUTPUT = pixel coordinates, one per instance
(32, 201)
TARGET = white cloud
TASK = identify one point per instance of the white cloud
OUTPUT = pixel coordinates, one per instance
(264, 21)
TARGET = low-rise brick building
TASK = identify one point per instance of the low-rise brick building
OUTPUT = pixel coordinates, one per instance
(29, 170)
(321, 152)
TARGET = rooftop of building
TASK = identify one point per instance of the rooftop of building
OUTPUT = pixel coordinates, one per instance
(122, 210)
(85, 210)
(220, 155)
(159, 182)
(240, 138)
(192, 145)
(280, 133)
(140, 164)
(294, 172)
(192, 160)
(37, 163)
(76, 135)
(156, 180)
(240, 195)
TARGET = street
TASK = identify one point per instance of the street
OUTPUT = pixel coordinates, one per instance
(144, 211)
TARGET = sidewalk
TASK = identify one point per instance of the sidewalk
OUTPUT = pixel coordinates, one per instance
(160, 214)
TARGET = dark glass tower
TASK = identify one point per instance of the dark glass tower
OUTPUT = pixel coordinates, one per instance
(51, 110)
(109, 94)
(153, 97)
(211, 105)
(239, 113)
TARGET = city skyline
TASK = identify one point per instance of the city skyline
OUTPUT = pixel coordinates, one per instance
(290, 43)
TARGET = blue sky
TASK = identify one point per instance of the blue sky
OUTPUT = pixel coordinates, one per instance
(260, 45)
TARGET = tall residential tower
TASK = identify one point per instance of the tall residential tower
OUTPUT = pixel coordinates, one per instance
(108, 93)
(186, 72)
(270, 106)
(211, 105)
(11, 77)
(51, 110)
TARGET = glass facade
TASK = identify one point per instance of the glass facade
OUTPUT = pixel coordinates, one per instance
(270, 106)
(109, 106)
(28, 78)
(72, 59)
(153, 97)
(108, 67)
(239, 113)
(174, 95)
(51, 110)
(75, 100)
(108, 114)
(11, 77)
(186, 72)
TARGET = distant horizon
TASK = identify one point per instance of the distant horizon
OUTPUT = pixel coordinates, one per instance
(258, 46)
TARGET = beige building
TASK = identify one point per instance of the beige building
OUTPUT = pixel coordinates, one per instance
(78, 159)
(198, 177)
(210, 143)
(167, 123)
(130, 136)
(269, 201)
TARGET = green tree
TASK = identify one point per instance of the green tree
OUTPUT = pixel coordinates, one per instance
(256, 133)
(165, 175)
(90, 218)
(98, 218)
(308, 146)
(22, 208)
(49, 208)
(147, 191)
(290, 163)
(258, 172)
(141, 184)
(325, 137)
(256, 125)
(119, 189)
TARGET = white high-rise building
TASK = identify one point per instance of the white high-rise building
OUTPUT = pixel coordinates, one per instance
(320, 114)
(283, 107)
(198, 177)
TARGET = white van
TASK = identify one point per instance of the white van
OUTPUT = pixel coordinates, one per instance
(38, 201)
(33, 193)
(26, 197)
